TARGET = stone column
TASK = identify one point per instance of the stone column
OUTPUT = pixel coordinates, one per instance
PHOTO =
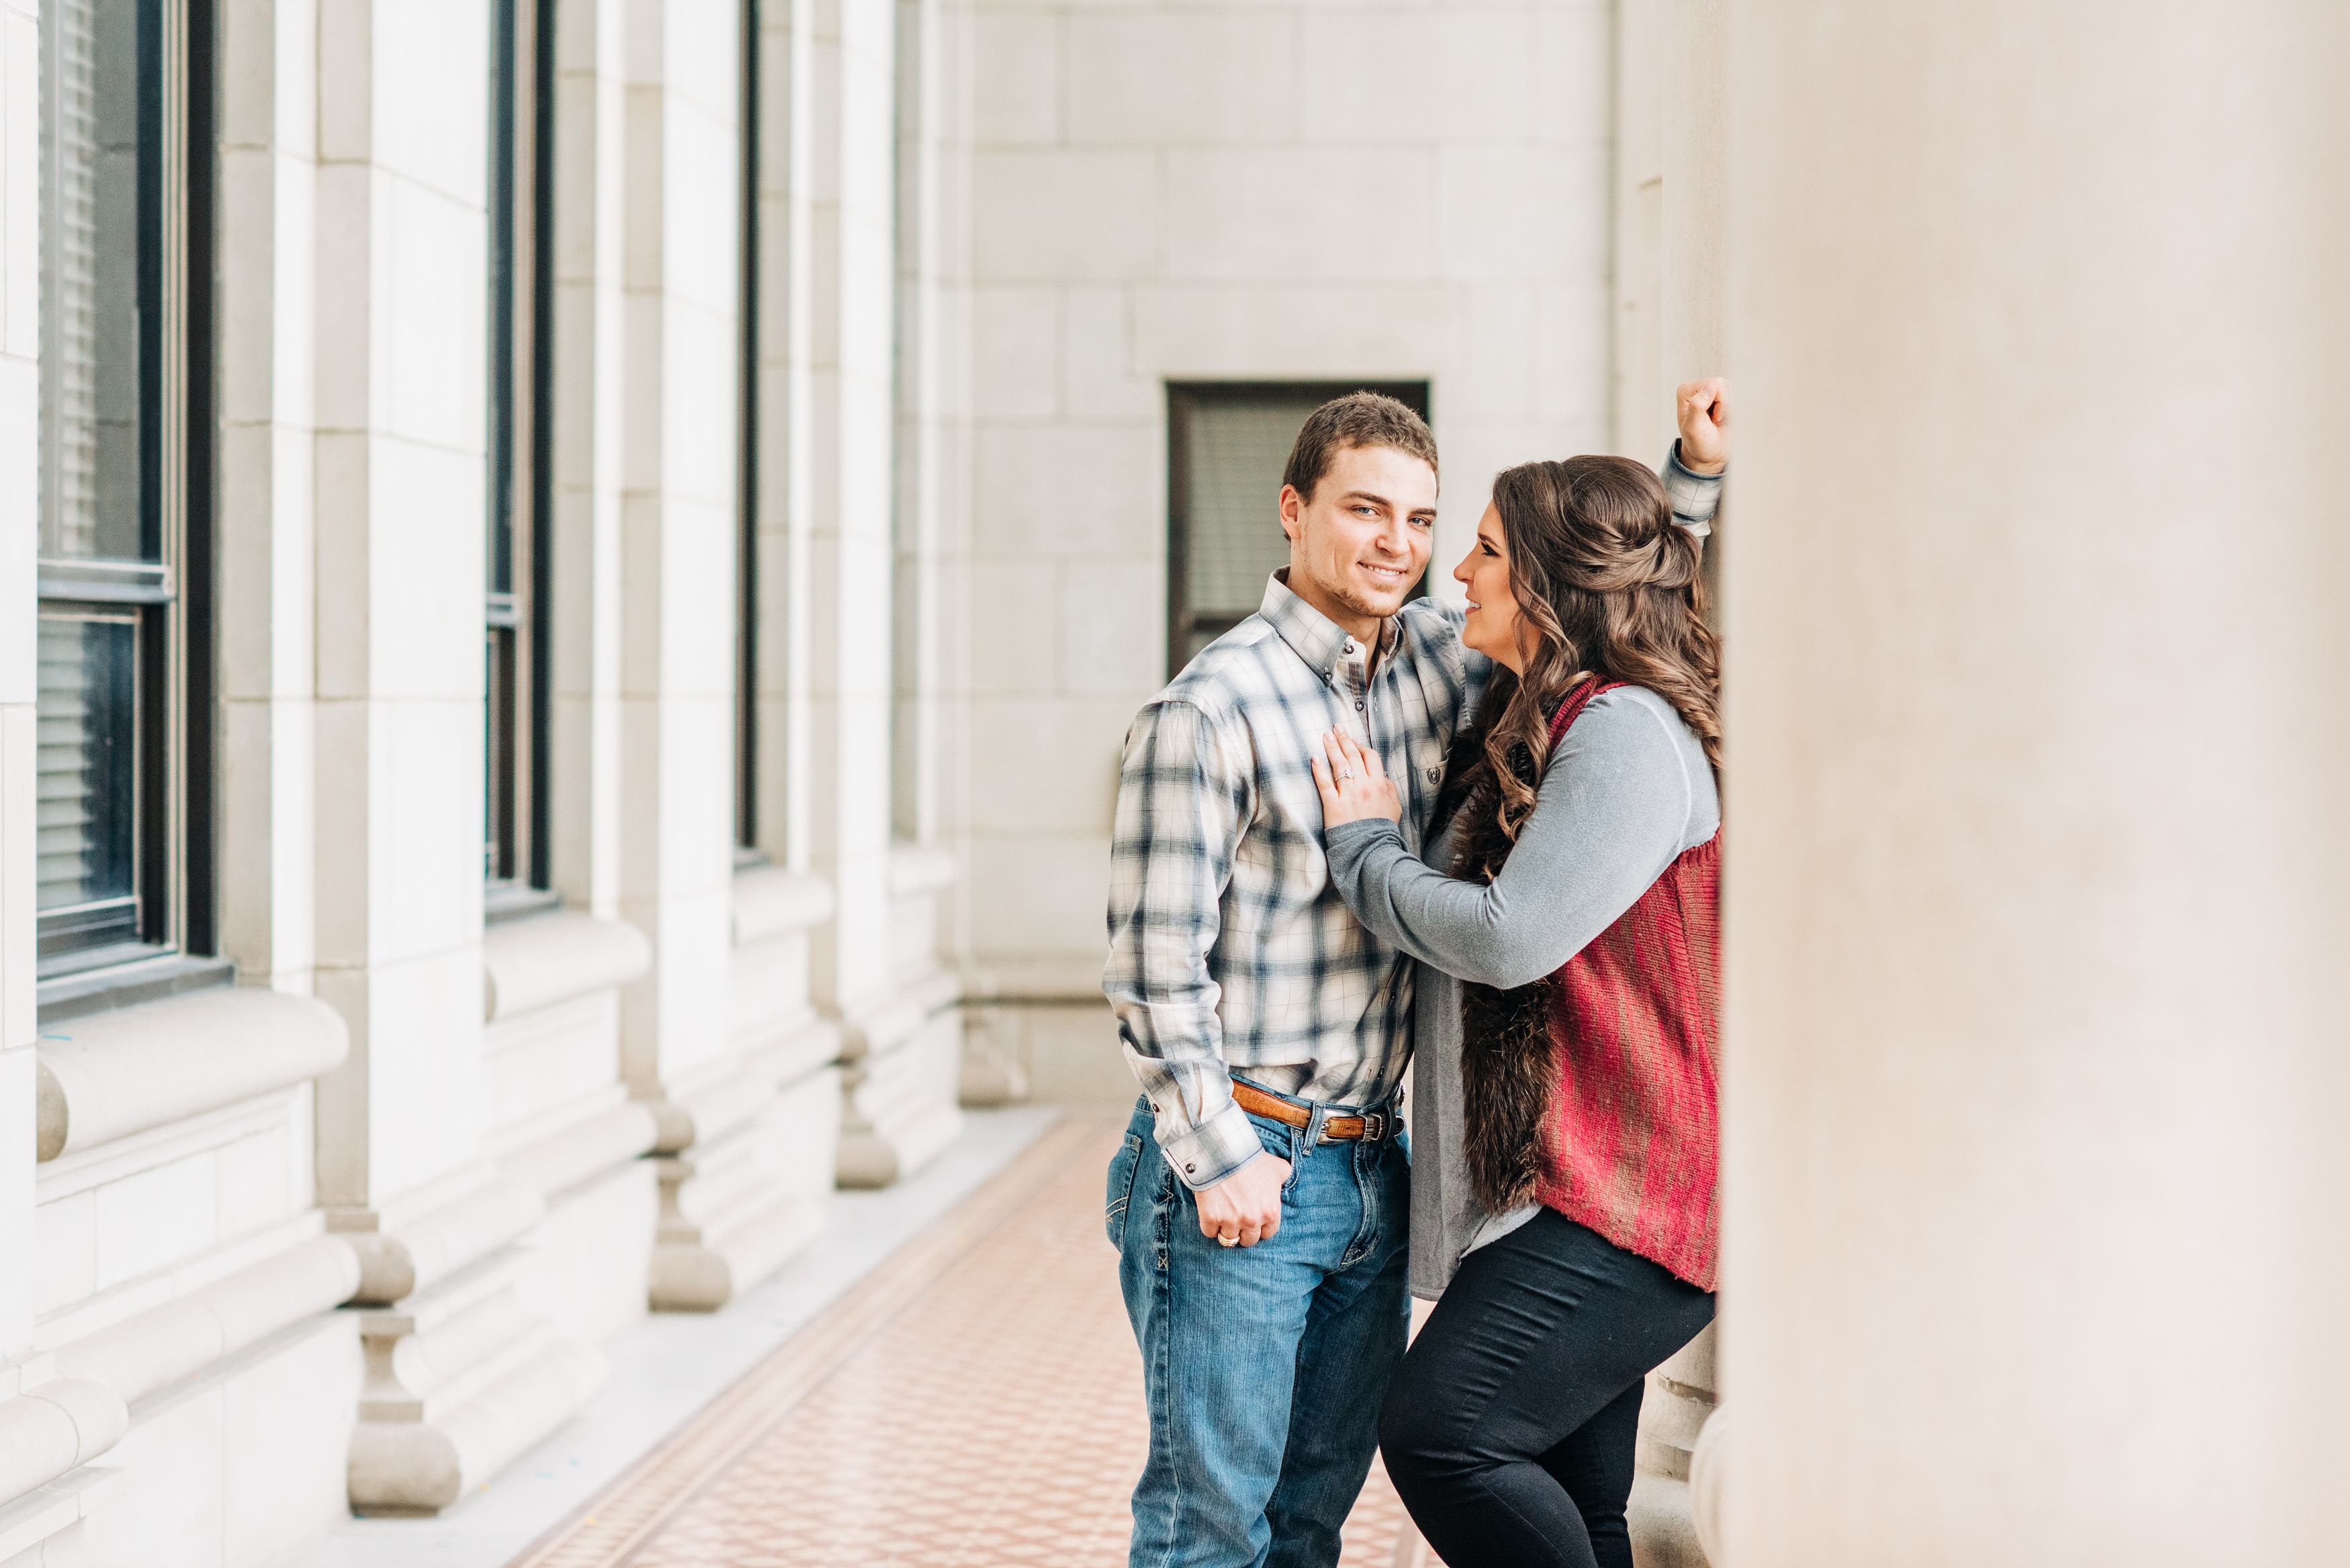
(1642, 416)
(267, 581)
(461, 1375)
(590, 367)
(47, 1437)
(708, 1047)
(2035, 1073)
(1690, 321)
(902, 1041)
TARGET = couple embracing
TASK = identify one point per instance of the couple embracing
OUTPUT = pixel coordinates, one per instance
(1355, 828)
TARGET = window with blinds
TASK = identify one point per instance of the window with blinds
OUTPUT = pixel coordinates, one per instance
(87, 784)
(1227, 444)
(115, 193)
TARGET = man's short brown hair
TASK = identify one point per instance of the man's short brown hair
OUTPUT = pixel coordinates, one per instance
(1358, 418)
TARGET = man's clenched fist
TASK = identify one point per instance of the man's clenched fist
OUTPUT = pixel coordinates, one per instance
(1245, 1208)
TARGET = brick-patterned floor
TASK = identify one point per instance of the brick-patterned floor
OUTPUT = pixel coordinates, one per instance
(979, 1403)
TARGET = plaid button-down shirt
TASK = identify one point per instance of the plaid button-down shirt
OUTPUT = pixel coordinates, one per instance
(1229, 949)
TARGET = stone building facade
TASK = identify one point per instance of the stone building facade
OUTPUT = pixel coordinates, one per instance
(572, 572)
(580, 567)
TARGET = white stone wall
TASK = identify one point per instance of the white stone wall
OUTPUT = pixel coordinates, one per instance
(1269, 191)
(990, 233)
(409, 1142)
(20, 384)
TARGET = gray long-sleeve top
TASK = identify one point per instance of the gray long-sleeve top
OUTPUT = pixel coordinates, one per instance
(1626, 792)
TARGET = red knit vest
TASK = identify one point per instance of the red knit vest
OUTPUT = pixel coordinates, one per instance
(1635, 1132)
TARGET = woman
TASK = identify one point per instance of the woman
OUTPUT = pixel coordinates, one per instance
(1565, 1026)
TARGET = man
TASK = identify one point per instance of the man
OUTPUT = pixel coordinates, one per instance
(1260, 1198)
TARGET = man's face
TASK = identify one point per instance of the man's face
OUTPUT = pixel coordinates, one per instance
(1359, 544)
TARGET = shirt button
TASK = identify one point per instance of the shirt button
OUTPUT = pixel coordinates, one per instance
(1436, 775)
(1358, 707)
(1191, 1170)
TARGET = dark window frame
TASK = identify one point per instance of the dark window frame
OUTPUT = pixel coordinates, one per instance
(747, 475)
(167, 596)
(518, 600)
(1184, 400)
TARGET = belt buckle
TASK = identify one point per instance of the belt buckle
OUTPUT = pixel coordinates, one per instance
(1374, 1125)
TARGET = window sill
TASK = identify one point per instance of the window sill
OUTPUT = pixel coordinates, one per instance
(530, 964)
(133, 984)
(124, 1072)
(770, 902)
(504, 902)
(916, 869)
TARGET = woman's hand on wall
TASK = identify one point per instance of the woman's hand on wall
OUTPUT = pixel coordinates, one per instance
(1702, 411)
(1353, 781)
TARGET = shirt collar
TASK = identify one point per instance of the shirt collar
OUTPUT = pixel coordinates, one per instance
(1310, 634)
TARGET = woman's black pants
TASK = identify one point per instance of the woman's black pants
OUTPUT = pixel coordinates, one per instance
(1509, 1430)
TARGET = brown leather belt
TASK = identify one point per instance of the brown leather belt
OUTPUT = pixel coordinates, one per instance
(1335, 1129)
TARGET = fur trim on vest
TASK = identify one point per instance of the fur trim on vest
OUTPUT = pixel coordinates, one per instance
(1508, 1062)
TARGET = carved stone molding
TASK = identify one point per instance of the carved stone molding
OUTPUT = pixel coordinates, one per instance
(123, 1073)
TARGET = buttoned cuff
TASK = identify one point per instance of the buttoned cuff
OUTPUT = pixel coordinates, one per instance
(1214, 1149)
(1695, 497)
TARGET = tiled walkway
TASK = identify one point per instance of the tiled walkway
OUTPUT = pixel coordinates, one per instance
(975, 1401)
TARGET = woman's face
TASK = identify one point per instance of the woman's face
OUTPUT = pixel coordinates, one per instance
(1495, 626)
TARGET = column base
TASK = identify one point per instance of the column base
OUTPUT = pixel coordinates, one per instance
(1675, 1409)
(991, 1075)
(704, 1276)
(1664, 1534)
(901, 1086)
(735, 1208)
(461, 1378)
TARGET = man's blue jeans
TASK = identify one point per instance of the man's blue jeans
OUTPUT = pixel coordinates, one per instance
(1263, 1366)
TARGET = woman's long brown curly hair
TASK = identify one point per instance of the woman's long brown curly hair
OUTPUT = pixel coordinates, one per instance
(1607, 588)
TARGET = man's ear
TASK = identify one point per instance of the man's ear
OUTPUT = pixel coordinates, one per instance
(1293, 512)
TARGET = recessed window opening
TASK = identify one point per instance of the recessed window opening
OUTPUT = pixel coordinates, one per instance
(124, 722)
(516, 627)
(1227, 444)
(746, 486)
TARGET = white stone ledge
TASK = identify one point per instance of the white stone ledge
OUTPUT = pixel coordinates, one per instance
(94, 1314)
(83, 1170)
(588, 1148)
(58, 1427)
(42, 1529)
(770, 902)
(1058, 981)
(178, 1339)
(877, 1029)
(916, 869)
(537, 963)
(710, 1108)
(123, 1073)
(809, 1045)
(395, 1264)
